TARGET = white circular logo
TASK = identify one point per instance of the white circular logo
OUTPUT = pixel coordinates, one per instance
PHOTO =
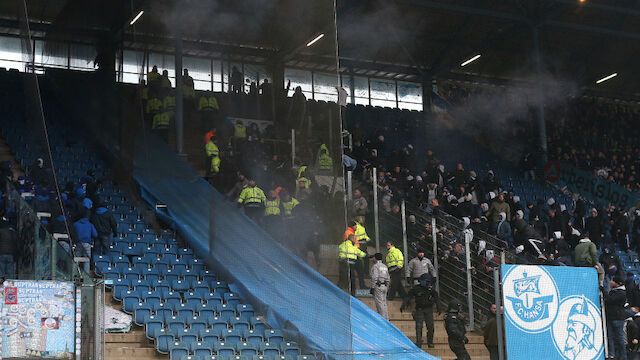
(577, 331)
(530, 298)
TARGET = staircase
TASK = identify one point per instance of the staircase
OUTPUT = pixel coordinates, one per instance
(131, 345)
(404, 322)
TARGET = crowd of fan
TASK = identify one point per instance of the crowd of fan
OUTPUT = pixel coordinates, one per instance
(86, 220)
(550, 231)
(600, 137)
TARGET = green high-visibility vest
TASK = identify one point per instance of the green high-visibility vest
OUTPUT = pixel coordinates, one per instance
(272, 207)
(161, 120)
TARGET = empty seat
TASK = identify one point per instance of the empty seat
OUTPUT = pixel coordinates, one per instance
(289, 349)
(239, 324)
(273, 336)
(224, 349)
(177, 350)
(245, 311)
(269, 349)
(253, 337)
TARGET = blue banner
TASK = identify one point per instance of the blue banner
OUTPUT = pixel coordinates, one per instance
(596, 189)
(552, 313)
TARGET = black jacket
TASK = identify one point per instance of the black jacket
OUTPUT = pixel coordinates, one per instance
(614, 303)
(104, 222)
(454, 324)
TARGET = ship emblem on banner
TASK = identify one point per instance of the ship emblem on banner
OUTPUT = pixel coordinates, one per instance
(554, 311)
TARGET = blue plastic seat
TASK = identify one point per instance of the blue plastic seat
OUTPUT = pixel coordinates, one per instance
(273, 336)
(196, 323)
(188, 337)
(131, 274)
(202, 348)
(269, 349)
(306, 357)
(119, 287)
(111, 273)
(152, 325)
(289, 349)
(152, 298)
(209, 336)
(180, 285)
(239, 324)
(232, 336)
(247, 349)
(193, 298)
(177, 350)
(217, 324)
(245, 311)
(253, 337)
(213, 298)
(258, 325)
(163, 341)
(224, 310)
(175, 325)
(224, 349)
(141, 314)
(231, 299)
(141, 285)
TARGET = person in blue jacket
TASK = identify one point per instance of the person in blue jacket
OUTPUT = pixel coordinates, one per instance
(86, 233)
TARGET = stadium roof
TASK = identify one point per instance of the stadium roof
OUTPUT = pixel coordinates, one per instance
(580, 40)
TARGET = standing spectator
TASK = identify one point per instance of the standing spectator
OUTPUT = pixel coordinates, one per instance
(633, 335)
(497, 206)
(585, 253)
(106, 227)
(490, 333)
(419, 266)
(235, 83)
(594, 228)
(614, 302)
(359, 204)
(395, 263)
(503, 229)
(8, 251)
(86, 233)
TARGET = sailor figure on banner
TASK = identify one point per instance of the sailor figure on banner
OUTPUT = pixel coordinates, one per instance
(534, 300)
(577, 332)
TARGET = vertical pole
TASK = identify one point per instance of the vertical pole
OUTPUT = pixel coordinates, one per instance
(350, 142)
(496, 287)
(469, 284)
(293, 148)
(604, 326)
(349, 185)
(542, 128)
(330, 131)
(179, 114)
(404, 230)
(375, 209)
(434, 238)
(502, 262)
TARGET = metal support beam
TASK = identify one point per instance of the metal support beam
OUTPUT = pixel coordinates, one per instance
(542, 126)
(179, 113)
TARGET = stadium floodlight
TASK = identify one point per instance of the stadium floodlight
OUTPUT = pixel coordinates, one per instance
(137, 17)
(606, 78)
(471, 60)
(315, 40)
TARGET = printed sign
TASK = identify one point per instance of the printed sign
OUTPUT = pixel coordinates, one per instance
(552, 311)
(594, 188)
(38, 319)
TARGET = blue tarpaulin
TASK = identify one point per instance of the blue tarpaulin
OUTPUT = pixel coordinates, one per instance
(291, 295)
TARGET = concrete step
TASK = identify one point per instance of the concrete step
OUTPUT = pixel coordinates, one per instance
(117, 352)
(443, 351)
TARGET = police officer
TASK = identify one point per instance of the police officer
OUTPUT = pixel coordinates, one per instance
(213, 154)
(362, 239)
(395, 263)
(425, 296)
(419, 266)
(454, 324)
(380, 281)
(253, 199)
(348, 254)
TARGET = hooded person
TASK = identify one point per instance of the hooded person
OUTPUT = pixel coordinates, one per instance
(106, 226)
(614, 304)
(503, 229)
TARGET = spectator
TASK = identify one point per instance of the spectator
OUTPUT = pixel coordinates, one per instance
(86, 233)
(503, 230)
(614, 302)
(8, 251)
(359, 205)
(585, 253)
(490, 333)
(106, 226)
(498, 206)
